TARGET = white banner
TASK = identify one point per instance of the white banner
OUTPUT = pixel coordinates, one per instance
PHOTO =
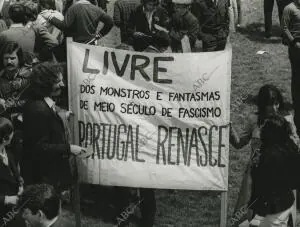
(152, 120)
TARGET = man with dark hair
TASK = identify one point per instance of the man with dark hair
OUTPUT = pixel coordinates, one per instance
(122, 12)
(184, 23)
(143, 23)
(41, 207)
(81, 21)
(46, 146)
(14, 78)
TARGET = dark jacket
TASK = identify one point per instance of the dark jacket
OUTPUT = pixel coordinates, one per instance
(213, 19)
(46, 149)
(183, 25)
(10, 180)
(274, 178)
(138, 23)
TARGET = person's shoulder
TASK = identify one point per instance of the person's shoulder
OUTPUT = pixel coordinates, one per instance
(190, 17)
(291, 6)
(25, 72)
(37, 105)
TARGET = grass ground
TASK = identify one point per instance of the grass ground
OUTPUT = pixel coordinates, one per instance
(249, 72)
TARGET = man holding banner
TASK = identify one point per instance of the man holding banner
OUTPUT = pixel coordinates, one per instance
(46, 147)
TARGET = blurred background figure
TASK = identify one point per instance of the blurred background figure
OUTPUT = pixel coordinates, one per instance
(41, 207)
(213, 18)
(233, 15)
(45, 5)
(122, 12)
(268, 11)
(80, 22)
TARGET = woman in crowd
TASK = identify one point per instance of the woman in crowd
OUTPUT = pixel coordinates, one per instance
(10, 179)
(269, 101)
(275, 175)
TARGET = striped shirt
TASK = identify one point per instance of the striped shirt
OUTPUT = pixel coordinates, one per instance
(122, 11)
(291, 22)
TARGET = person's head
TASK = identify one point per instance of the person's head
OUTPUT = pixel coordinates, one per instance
(181, 6)
(40, 204)
(276, 130)
(47, 4)
(269, 101)
(47, 80)
(31, 11)
(12, 56)
(161, 41)
(17, 13)
(6, 131)
(150, 5)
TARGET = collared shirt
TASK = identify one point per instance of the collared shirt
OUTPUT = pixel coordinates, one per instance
(291, 22)
(52, 221)
(149, 16)
(82, 2)
(3, 157)
(12, 87)
(50, 103)
(17, 26)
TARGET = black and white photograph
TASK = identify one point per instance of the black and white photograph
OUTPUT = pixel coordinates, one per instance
(149, 113)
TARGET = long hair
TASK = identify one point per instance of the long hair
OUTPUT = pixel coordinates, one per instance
(268, 95)
(43, 77)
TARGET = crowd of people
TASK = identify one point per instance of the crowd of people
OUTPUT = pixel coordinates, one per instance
(35, 148)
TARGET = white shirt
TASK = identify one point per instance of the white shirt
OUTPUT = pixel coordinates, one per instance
(52, 221)
(17, 26)
(4, 157)
(50, 103)
(149, 16)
